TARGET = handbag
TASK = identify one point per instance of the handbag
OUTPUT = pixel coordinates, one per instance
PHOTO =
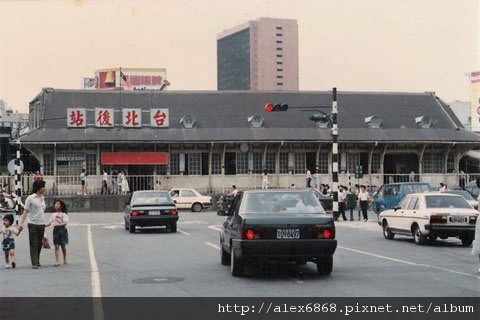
(46, 243)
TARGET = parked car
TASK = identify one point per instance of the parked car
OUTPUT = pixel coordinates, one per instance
(150, 208)
(278, 225)
(389, 195)
(473, 189)
(326, 201)
(426, 216)
(466, 195)
(190, 199)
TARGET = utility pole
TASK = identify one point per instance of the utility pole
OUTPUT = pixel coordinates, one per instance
(335, 154)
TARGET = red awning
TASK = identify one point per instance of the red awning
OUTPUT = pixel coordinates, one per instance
(132, 158)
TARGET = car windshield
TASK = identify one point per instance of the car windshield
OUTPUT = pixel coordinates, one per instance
(446, 202)
(416, 188)
(464, 194)
(281, 202)
(151, 198)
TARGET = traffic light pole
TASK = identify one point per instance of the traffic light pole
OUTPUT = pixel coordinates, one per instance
(335, 154)
(18, 178)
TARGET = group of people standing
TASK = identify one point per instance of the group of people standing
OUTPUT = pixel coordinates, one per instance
(350, 200)
(119, 183)
(34, 215)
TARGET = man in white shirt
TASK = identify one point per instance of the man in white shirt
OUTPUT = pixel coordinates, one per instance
(342, 196)
(83, 180)
(234, 191)
(363, 197)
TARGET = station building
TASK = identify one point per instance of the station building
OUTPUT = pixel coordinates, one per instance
(211, 140)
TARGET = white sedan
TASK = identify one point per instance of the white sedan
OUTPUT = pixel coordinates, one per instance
(426, 216)
(190, 199)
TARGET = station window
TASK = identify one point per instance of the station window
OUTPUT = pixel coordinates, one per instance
(353, 160)
(162, 170)
(283, 162)
(323, 163)
(375, 163)
(91, 165)
(300, 163)
(216, 163)
(257, 162)
(48, 164)
(174, 164)
(194, 163)
(242, 163)
(451, 162)
(433, 162)
(270, 162)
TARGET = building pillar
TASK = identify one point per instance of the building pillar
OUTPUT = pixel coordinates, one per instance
(99, 162)
(447, 154)
(382, 159)
(168, 164)
(420, 159)
(223, 158)
(55, 160)
(210, 155)
(317, 159)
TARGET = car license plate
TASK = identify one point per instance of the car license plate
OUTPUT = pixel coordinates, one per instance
(154, 213)
(459, 219)
(288, 233)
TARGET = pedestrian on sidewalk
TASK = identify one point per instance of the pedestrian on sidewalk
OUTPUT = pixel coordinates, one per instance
(265, 182)
(34, 210)
(351, 200)
(363, 197)
(104, 182)
(83, 180)
(114, 182)
(8, 242)
(342, 202)
(462, 179)
(59, 221)
(308, 179)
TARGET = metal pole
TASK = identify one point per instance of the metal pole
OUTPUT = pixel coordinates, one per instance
(335, 154)
(18, 178)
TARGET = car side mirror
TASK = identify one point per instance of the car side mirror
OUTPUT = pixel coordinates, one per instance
(174, 201)
(397, 208)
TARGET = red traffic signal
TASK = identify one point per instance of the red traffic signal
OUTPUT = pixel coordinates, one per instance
(276, 107)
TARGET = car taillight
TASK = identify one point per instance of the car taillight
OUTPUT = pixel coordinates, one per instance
(252, 234)
(438, 219)
(473, 219)
(173, 212)
(135, 213)
(324, 232)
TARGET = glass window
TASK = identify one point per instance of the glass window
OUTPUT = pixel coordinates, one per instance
(447, 202)
(146, 198)
(412, 203)
(280, 202)
(451, 162)
(270, 162)
(283, 162)
(403, 204)
(433, 162)
(48, 164)
(375, 163)
(91, 164)
(174, 164)
(300, 163)
(257, 162)
(462, 193)
(216, 163)
(353, 160)
(242, 163)
(188, 193)
(162, 170)
(194, 163)
(323, 163)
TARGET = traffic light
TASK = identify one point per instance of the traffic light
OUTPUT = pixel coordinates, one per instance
(358, 172)
(270, 107)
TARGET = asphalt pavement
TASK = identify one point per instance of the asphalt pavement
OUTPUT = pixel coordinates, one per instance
(105, 260)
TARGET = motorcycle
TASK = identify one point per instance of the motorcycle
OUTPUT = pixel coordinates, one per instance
(7, 204)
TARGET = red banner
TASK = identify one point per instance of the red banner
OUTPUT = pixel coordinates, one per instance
(131, 158)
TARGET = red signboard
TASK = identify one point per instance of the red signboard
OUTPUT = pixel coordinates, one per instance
(137, 158)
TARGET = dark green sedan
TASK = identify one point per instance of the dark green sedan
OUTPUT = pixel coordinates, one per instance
(277, 225)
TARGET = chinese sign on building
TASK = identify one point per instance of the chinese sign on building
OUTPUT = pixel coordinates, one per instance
(104, 118)
(159, 118)
(132, 118)
(76, 118)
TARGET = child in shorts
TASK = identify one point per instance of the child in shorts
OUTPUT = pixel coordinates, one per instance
(8, 243)
(59, 220)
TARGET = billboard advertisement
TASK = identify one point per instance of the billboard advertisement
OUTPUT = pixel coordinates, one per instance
(475, 83)
(131, 79)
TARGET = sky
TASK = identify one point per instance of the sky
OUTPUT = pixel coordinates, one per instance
(354, 45)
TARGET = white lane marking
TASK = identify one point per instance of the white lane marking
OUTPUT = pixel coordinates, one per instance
(216, 227)
(409, 262)
(192, 222)
(212, 245)
(299, 281)
(112, 227)
(95, 282)
(185, 233)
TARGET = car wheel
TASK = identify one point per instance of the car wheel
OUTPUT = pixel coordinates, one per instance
(173, 227)
(224, 256)
(466, 241)
(387, 233)
(131, 228)
(325, 265)
(236, 265)
(197, 207)
(418, 237)
(126, 224)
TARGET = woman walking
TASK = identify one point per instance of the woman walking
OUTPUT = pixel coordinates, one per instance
(35, 211)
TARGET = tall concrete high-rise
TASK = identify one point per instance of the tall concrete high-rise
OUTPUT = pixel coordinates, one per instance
(258, 55)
